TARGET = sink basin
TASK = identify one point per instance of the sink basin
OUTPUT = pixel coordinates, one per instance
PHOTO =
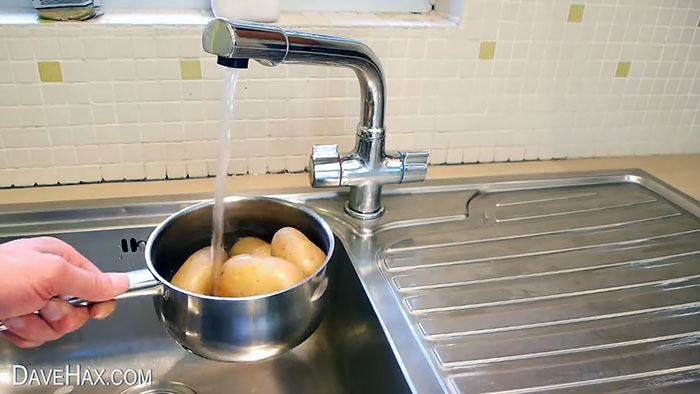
(347, 354)
(566, 282)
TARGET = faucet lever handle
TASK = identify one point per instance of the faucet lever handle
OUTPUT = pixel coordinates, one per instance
(415, 165)
(325, 169)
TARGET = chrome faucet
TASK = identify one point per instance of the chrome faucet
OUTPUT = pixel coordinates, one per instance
(368, 167)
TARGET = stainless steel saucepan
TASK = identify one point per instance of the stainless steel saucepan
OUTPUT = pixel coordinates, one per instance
(232, 329)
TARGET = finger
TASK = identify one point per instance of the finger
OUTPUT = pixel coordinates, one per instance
(60, 248)
(66, 279)
(103, 309)
(19, 341)
(63, 317)
(32, 328)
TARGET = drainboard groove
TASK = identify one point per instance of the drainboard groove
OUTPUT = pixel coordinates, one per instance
(549, 199)
(664, 282)
(393, 268)
(608, 199)
(476, 240)
(466, 333)
(585, 336)
(573, 212)
(664, 274)
(447, 283)
(612, 345)
(592, 382)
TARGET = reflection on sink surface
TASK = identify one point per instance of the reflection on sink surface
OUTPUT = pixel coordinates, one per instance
(347, 354)
(585, 282)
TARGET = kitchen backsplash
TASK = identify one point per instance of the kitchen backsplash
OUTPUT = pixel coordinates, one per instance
(513, 80)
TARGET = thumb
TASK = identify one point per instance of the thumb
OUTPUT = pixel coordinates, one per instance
(89, 285)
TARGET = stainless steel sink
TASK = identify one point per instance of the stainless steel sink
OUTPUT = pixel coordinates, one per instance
(585, 282)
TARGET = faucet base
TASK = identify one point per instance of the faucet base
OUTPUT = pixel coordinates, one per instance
(362, 215)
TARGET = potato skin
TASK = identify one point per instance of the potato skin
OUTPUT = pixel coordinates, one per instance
(292, 245)
(195, 275)
(245, 275)
(252, 246)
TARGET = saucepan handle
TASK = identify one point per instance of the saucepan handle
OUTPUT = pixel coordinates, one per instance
(141, 283)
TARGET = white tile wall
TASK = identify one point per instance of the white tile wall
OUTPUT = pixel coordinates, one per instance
(123, 111)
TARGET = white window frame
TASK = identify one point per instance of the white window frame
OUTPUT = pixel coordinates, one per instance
(398, 6)
(405, 6)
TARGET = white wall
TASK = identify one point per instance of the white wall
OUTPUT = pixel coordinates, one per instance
(123, 110)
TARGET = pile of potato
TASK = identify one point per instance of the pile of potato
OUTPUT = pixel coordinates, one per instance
(254, 267)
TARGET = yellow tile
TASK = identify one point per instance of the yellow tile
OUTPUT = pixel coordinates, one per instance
(487, 50)
(623, 69)
(190, 69)
(50, 72)
(575, 13)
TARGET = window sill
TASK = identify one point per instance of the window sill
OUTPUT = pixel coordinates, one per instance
(287, 19)
(365, 19)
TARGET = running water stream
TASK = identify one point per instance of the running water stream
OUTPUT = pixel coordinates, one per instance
(218, 213)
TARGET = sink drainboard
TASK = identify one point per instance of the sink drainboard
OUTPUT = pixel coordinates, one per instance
(591, 288)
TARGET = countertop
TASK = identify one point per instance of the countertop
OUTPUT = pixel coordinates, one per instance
(680, 171)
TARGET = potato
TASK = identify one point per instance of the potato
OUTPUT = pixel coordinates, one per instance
(195, 275)
(250, 245)
(290, 244)
(245, 275)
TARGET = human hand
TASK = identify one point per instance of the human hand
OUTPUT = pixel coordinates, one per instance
(35, 275)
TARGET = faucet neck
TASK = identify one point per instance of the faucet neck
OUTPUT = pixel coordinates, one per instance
(305, 48)
(270, 46)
